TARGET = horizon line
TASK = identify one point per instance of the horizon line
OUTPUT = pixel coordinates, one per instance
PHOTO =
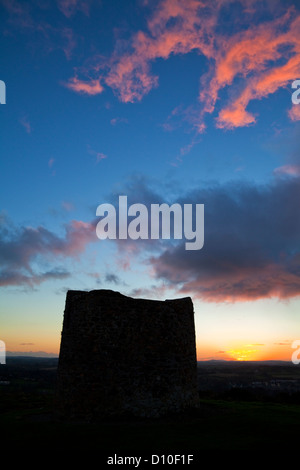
(44, 354)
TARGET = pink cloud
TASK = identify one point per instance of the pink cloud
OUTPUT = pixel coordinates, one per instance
(93, 87)
(118, 120)
(235, 116)
(294, 113)
(21, 249)
(253, 61)
(26, 124)
(78, 235)
(293, 170)
(129, 74)
(256, 55)
(238, 285)
(99, 155)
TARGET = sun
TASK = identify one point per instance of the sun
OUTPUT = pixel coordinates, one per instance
(242, 354)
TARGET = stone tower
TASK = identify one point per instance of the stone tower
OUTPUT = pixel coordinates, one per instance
(120, 355)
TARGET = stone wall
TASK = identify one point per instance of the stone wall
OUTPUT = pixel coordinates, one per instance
(121, 355)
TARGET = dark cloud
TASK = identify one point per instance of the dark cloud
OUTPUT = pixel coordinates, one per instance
(15, 278)
(21, 248)
(113, 278)
(152, 291)
(251, 243)
(251, 247)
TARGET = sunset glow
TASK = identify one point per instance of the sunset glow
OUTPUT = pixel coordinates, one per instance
(242, 354)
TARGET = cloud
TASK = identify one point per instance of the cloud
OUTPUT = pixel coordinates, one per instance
(153, 291)
(26, 124)
(129, 73)
(289, 170)
(113, 278)
(118, 120)
(92, 87)
(15, 278)
(99, 155)
(70, 7)
(68, 41)
(294, 113)
(252, 50)
(251, 245)
(67, 206)
(22, 248)
(19, 13)
(264, 58)
(33, 17)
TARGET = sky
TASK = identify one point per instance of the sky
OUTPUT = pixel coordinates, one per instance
(169, 101)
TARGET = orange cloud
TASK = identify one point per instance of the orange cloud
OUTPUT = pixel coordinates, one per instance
(244, 53)
(130, 77)
(129, 74)
(235, 116)
(252, 60)
(93, 87)
(257, 56)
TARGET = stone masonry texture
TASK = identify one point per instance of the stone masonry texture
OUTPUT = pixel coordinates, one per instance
(125, 356)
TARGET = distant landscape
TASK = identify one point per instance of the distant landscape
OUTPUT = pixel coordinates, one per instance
(272, 380)
(243, 405)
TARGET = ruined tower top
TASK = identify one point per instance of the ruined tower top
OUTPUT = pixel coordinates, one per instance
(124, 355)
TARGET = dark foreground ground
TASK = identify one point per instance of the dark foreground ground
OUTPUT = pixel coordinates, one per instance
(244, 406)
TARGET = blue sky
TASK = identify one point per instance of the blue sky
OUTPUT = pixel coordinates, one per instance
(166, 101)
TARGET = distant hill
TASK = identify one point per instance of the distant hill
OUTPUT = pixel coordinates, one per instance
(220, 362)
(30, 354)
